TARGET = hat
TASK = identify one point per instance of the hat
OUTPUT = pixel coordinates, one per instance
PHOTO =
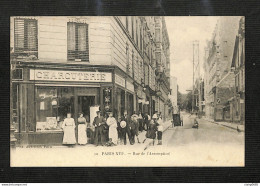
(154, 116)
(123, 124)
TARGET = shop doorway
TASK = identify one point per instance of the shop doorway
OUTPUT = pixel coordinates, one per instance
(84, 104)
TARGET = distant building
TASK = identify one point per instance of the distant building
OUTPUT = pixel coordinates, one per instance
(174, 90)
(219, 80)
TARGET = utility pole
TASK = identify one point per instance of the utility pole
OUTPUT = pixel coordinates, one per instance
(192, 94)
(196, 76)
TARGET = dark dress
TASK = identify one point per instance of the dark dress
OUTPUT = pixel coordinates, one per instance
(151, 132)
(146, 122)
(131, 131)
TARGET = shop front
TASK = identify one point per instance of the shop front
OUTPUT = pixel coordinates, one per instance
(44, 96)
(125, 98)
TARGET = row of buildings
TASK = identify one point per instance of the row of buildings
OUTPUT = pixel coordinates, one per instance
(69, 64)
(224, 65)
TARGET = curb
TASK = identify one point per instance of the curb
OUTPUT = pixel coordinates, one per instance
(223, 125)
(148, 144)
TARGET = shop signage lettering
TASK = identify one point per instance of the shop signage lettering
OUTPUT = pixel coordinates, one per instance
(57, 75)
(130, 86)
(119, 80)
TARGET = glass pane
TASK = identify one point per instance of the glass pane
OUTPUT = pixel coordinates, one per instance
(82, 37)
(71, 36)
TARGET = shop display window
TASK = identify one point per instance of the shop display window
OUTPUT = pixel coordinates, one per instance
(53, 104)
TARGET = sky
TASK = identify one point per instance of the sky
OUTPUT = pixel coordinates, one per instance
(182, 32)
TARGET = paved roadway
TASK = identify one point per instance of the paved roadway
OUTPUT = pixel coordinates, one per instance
(209, 145)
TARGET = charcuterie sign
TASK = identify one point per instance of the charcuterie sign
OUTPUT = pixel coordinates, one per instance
(59, 75)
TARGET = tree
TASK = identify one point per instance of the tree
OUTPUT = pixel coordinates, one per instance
(187, 103)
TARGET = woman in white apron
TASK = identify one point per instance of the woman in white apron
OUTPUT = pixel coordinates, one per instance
(69, 131)
(82, 126)
(113, 135)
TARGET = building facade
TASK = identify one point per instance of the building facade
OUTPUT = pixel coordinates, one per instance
(69, 64)
(237, 102)
(219, 79)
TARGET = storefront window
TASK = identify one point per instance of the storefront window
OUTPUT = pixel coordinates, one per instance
(52, 106)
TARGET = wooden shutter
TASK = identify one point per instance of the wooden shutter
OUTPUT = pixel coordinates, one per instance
(18, 34)
(71, 43)
(30, 34)
(78, 46)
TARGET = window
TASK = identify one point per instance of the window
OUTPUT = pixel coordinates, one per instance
(25, 36)
(132, 20)
(127, 59)
(141, 70)
(225, 48)
(17, 74)
(136, 27)
(141, 40)
(78, 48)
(52, 106)
(133, 64)
(126, 22)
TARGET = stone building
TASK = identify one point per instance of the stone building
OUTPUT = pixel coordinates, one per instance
(69, 64)
(219, 80)
(237, 102)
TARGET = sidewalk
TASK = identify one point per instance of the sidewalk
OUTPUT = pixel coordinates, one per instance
(234, 126)
(88, 155)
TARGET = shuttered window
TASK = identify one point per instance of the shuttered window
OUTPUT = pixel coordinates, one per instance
(25, 35)
(78, 48)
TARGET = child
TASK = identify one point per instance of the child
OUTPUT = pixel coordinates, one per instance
(159, 130)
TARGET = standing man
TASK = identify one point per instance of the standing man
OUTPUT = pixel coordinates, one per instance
(124, 127)
(135, 128)
(145, 121)
(99, 135)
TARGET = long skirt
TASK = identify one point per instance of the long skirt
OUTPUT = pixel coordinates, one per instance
(69, 135)
(82, 135)
(113, 134)
(159, 135)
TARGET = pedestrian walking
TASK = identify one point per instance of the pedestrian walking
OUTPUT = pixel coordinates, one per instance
(140, 120)
(160, 130)
(82, 127)
(134, 128)
(68, 126)
(99, 134)
(146, 121)
(113, 135)
(152, 129)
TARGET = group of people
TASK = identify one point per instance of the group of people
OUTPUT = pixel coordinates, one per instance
(107, 131)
